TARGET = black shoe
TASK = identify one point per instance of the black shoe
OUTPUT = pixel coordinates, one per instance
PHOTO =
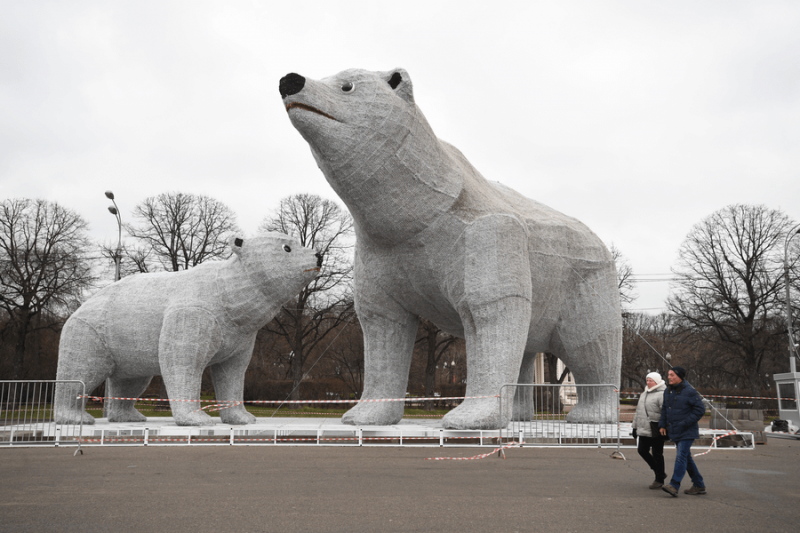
(672, 491)
(695, 490)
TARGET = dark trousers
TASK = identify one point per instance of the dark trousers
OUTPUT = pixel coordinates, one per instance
(654, 460)
(685, 464)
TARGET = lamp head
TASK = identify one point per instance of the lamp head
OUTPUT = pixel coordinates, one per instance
(112, 209)
(109, 195)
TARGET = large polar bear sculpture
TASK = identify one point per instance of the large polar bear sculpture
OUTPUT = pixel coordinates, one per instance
(175, 324)
(435, 239)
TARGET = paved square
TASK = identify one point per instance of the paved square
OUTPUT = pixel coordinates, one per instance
(261, 488)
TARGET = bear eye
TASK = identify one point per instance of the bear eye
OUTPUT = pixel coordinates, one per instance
(348, 87)
(287, 248)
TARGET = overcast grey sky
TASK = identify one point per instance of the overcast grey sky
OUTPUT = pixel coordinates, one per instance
(638, 118)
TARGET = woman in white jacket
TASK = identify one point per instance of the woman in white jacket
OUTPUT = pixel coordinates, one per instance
(648, 412)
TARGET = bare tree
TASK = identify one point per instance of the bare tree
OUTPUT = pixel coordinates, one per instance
(435, 344)
(645, 340)
(180, 231)
(135, 258)
(730, 282)
(346, 354)
(44, 268)
(327, 302)
(625, 282)
(792, 296)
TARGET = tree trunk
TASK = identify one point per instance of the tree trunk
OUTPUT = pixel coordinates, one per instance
(754, 378)
(430, 368)
(23, 320)
(296, 364)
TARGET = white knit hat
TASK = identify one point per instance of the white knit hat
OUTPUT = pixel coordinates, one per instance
(655, 376)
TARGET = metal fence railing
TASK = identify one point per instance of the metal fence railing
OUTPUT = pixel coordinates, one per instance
(561, 415)
(545, 415)
(27, 414)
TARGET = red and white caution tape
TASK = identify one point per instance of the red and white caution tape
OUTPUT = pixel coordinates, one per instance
(378, 400)
(103, 398)
(481, 456)
(747, 397)
(214, 407)
(219, 406)
(636, 395)
(715, 439)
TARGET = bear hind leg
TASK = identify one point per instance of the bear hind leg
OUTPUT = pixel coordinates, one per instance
(595, 363)
(124, 410)
(524, 399)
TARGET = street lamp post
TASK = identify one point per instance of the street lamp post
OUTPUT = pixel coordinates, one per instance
(117, 258)
(792, 352)
(115, 211)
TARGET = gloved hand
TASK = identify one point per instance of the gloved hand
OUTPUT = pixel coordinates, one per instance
(634, 433)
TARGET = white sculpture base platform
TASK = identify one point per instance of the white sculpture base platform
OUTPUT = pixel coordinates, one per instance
(162, 431)
(285, 431)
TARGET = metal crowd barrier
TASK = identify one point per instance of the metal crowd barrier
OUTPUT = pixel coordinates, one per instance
(551, 415)
(27, 415)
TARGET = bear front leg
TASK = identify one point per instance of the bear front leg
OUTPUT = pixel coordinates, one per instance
(190, 337)
(82, 356)
(228, 378)
(495, 338)
(388, 346)
(495, 310)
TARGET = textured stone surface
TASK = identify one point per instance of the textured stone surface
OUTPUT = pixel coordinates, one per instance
(435, 239)
(175, 324)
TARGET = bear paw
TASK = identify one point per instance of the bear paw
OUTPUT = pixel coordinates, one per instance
(193, 418)
(475, 414)
(597, 412)
(126, 415)
(74, 418)
(236, 416)
(374, 414)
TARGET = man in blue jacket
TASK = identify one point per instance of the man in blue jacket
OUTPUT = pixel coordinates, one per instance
(680, 412)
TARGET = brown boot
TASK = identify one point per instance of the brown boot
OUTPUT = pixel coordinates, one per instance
(656, 484)
(695, 490)
(669, 489)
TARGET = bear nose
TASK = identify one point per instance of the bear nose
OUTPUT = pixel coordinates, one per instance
(291, 84)
(319, 259)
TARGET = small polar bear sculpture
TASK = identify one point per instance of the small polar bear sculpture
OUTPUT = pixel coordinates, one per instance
(175, 324)
(435, 239)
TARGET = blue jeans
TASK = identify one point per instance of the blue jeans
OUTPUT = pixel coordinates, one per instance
(683, 464)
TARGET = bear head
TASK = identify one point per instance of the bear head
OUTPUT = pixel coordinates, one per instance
(375, 147)
(353, 119)
(277, 264)
(338, 114)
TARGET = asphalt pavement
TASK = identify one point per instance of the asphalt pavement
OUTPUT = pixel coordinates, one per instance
(331, 489)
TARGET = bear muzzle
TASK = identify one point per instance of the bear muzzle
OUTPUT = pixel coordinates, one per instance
(319, 257)
(291, 84)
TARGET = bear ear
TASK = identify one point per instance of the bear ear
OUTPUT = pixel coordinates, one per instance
(400, 82)
(236, 244)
